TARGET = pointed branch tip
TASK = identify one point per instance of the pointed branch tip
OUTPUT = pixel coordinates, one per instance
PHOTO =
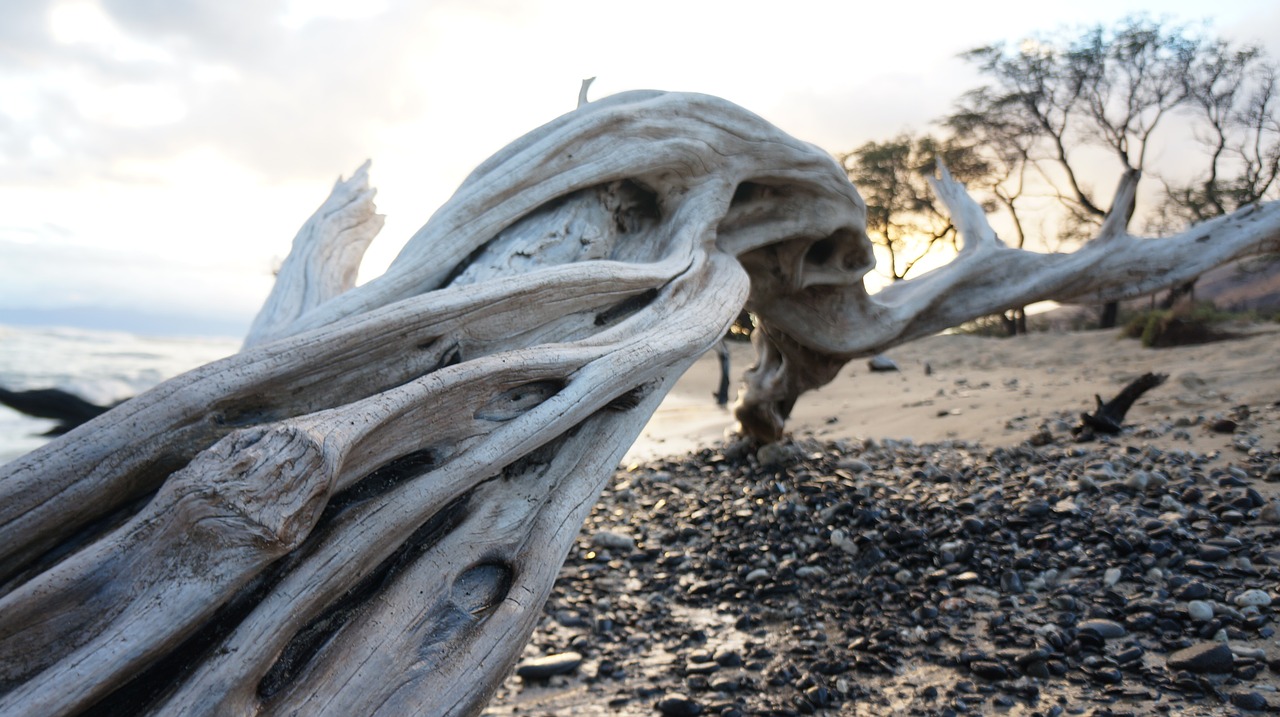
(582, 91)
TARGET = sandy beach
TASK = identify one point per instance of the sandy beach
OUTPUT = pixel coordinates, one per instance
(999, 391)
(910, 549)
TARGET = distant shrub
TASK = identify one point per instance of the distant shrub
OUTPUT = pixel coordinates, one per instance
(1182, 326)
(992, 326)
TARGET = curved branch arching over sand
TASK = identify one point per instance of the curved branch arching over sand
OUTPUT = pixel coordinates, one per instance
(363, 511)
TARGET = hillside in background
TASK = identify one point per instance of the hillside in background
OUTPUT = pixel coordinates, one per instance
(1252, 284)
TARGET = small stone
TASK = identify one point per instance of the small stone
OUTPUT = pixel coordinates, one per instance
(1212, 553)
(758, 575)
(841, 540)
(543, 667)
(1200, 610)
(700, 668)
(727, 657)
(773, 454)
(1253, 596)
(1223, 425)
(1108, 676)
(1194, 591)
(1011, 582)
(1036, 508)
(677, 705)
(854, 465)
(1270, 512)
(1204, 658)
(1111, 576)
(880, 362)
(989, 670)
(610, 540)
(1249, 701)
(1106, 629)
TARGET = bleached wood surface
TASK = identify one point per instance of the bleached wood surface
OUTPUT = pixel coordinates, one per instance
(363, 511)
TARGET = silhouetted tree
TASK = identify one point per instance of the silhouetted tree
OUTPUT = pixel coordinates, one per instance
(902, 214)
(1232, 96)
(1052, 100)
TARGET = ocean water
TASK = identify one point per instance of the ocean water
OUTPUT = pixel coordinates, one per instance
(100, 366)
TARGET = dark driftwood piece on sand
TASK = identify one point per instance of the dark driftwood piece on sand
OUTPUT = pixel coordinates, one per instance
(363, 511)
(1109, 417)
(722, 391)
(68, 409)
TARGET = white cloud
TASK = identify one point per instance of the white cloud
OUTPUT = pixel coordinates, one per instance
(207, 130)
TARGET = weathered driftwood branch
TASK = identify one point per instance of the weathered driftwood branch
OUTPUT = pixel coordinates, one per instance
(325, 257)
(68, 409)
(1108, 417)
(808, 334)
(362, 512)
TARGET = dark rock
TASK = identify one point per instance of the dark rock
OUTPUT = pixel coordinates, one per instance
(989, 670)
(1223, 425)
(1249, 701)
(1194, 591)
(882, 363)
(1107, 676)
(1205, 658)
(677, 705)
(1212, 553)
(1105, 629)
(1036, 508)
(727, 657)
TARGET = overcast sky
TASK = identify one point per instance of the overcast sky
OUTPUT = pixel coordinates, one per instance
(160, 154)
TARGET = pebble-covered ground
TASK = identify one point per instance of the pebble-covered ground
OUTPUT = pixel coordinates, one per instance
(1050, 578)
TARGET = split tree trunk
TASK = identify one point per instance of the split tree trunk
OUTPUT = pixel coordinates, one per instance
(364, 511)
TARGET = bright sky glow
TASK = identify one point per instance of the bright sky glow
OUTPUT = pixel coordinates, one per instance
(158, 154)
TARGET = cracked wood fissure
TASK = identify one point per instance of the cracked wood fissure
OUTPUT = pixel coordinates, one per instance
(364, 510)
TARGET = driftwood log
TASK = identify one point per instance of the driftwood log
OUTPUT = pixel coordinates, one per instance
(68, 409)
(1108, 416)
(364, 510)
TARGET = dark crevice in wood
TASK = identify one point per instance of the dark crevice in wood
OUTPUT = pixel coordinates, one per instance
(747, 192)
(311, 639)
(821, 251)
(149, 688)
(629, 399)
(476, 593)
(244, 416)
(85, 536)
(452, 356)
(638, 209)
(517, 401)
(539, 458)
(107, 515)
(381, 481)
(626, 307)
(465, 264)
